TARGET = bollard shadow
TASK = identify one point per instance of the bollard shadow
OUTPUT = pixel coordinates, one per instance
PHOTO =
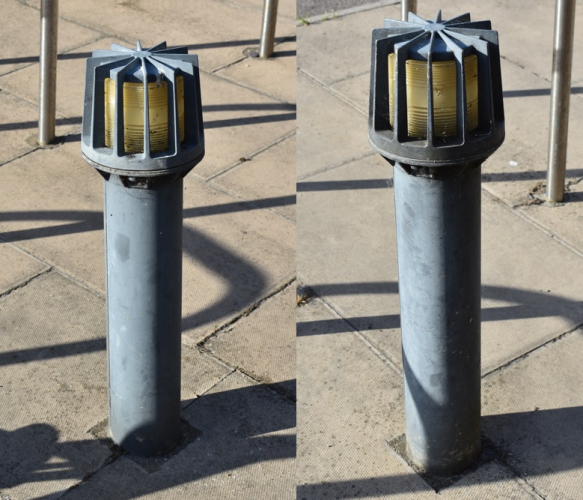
(245, 282)
(536, 92)
(540, 443)
(239, 427)
(522, 304)
(195, 46)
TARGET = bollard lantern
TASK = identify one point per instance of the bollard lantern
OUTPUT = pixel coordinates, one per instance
(143, 132)
(436, 113)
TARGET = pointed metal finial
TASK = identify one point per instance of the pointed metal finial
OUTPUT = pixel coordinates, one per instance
(140, 45)
(438, 17)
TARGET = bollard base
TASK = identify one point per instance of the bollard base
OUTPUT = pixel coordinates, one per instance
(188, 434)
(488, 453)
(459, 458)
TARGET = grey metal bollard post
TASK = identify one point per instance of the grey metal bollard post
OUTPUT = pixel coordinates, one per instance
(268, 29)
(49, 16)
(436, 113)
(406, 7)
(143, 132)
(560, 95)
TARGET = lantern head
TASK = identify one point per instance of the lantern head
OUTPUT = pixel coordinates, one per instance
(435, 91)
(142, 114)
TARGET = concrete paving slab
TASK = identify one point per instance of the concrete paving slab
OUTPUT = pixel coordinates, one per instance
(492, 480)
(347, 250)
(238, 123)
(247, 121)
(275, 76)
(70, 82)
(17, 267)
(20, 47)
(525, 29)
(268, 178)
(528, 294)
(327, 130)
(343, 425)
(19, 126)
(245, 450)
(347, 254)
(356, 90)
(349, 404)
(53, 372)
(263, 343)
(533, 411)
(56, 213)
(232, 259)
(340, 48)
(519, 167)
(179, 23)
(286, 11)
(561, 220)
(235, 255)
(199, 373)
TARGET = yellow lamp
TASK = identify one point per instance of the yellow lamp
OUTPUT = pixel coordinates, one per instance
(444, 96)
(133, 114)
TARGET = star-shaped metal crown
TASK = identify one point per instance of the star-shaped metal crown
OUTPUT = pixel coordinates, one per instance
(432, 41)
(156, 64)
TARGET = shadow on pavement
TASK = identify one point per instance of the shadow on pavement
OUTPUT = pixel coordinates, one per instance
(196, 46)
(246, 282)
(233, 425)
(209, 124)
(522, 304)
(559, 433)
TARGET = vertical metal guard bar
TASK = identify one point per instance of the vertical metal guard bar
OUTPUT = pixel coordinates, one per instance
(406, 7)
(268, 29)
(438, 251)
(560, 94)
(49, 14)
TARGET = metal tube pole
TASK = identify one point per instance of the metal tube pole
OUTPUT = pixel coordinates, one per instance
(438, 248)
(560, 94)
(406, 7)
(268, 29)
(143, 235)
(49, 14)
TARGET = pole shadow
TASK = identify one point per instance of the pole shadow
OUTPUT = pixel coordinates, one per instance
(523, 304)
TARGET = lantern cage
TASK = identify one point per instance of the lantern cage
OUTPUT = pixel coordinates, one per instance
(120, 134)
(435, 91)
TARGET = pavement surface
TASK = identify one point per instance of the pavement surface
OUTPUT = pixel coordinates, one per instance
(349, 373)
(239, 266)
(243, 261)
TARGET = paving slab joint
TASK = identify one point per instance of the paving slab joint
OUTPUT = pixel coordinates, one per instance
(25, 282)
(331, 16)
(489, 452)
(34, 148)
(244, 314)
(150, 464)
(243, 160)
(534, 349)
(338, 313)
(520, 213)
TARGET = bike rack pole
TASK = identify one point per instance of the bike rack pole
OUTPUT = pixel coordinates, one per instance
(406, 7)
(560, 95)
(268, 29)
(49, 14)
